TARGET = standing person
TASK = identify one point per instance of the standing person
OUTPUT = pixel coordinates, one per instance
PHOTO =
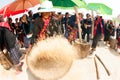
(107, 32)
(65, 23)
(73, 25)
(44, 26)
(30, 19)
(12, 26)
(26, 30)
(112, 28)
(98, 32)
(8, 40)
(16, 26)
(20, 33)
(112, 41)
(60, 17)
(88, 27)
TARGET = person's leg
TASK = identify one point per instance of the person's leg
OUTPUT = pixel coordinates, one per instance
(88, 37)
(88, 33)
(15, 55)
(83, 35)
(95, 42)
(11, 44)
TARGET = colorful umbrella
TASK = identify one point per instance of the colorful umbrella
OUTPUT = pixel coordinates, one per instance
(23, 4)
(7, 12)
(104, 9)
(18, 6)
(68, 3)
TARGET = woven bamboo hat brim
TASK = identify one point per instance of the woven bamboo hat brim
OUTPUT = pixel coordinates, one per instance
(51, 58)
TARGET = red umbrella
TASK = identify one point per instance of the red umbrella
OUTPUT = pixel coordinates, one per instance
(18, 6)
(23, 4)
(6, 11)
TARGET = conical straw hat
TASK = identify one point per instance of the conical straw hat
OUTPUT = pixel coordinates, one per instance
(50, 59)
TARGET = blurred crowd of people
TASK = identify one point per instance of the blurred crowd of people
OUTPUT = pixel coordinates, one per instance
(64, 24)
(32, 27)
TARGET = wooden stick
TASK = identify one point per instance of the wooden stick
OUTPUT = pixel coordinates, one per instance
(78, 21)
(103, 64)
(92, 23)
(97, 72)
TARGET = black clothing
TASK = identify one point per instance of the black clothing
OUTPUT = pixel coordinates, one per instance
(52, 28)
(7, 38)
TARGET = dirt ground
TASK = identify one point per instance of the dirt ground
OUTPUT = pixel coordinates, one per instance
(81, 69)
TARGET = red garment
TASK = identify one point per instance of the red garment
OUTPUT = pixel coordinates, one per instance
(5, 24)
(46, 22)
(96, 25)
